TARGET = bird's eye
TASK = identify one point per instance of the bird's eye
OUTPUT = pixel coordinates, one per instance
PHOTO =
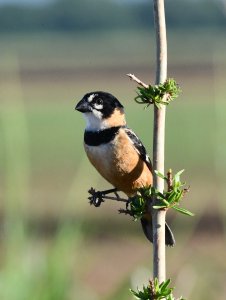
(99, 101)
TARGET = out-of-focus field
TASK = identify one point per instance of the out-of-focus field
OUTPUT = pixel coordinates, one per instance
(53, 245)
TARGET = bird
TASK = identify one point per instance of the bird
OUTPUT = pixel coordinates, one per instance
(116, 152)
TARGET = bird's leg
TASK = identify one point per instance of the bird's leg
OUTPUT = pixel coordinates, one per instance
(97, 197)
(127, 211)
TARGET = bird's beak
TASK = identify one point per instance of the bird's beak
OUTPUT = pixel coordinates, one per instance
(83, 106)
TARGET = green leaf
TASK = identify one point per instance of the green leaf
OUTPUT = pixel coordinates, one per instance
(159, 195)
(143, 295)
(171, 196)
(165, 284)
(159, 206)
(183, 211)
(166, 202)
(156, 284)
(177, 176)
(160, 175)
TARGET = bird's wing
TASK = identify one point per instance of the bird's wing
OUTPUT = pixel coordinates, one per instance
(139, 147)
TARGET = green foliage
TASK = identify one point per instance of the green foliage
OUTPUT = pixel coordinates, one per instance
(155, 291)
(138, 204)
(172, 197)
(168, 199)
(32, 266)
(163, 93)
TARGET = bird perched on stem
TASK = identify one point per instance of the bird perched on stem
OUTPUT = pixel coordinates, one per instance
(116, 151)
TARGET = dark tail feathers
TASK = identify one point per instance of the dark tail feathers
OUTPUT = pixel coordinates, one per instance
(148, 231)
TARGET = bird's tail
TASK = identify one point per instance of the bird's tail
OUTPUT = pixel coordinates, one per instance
(148, 231)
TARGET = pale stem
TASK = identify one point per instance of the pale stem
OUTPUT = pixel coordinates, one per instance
(159, 261)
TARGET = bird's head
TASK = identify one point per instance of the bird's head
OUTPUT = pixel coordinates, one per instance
(101, 110)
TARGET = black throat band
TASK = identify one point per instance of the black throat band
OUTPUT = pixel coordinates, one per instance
(96, 138)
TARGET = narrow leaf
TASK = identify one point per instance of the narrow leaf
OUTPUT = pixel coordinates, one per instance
(159, 206)
(177, 175)
(160, 175)
(183, 211)
(164, 285)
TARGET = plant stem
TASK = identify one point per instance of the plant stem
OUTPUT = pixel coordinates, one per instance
(159, 265)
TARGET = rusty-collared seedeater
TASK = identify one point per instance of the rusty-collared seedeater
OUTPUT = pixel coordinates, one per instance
(115, 150)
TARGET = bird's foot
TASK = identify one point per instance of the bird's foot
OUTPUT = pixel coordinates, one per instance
(97, 197)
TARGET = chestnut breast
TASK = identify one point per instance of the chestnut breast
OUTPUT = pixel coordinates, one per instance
(120, 164)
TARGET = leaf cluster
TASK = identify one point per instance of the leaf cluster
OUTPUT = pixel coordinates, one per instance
(162, 93)
(172, 197)
(155, 291)
(138, 203)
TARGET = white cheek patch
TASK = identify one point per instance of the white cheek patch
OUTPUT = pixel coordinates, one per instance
(90, 98)
(98, 106)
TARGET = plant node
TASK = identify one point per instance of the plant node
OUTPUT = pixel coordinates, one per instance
(155, 291)
(163, 93)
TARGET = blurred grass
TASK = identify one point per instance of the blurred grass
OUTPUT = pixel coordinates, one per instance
(30, 269)
(53, 245)
(99, 49)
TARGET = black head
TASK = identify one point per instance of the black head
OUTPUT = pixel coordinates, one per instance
(99, 103)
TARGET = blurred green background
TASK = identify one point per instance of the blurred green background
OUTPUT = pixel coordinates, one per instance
(53, 245)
